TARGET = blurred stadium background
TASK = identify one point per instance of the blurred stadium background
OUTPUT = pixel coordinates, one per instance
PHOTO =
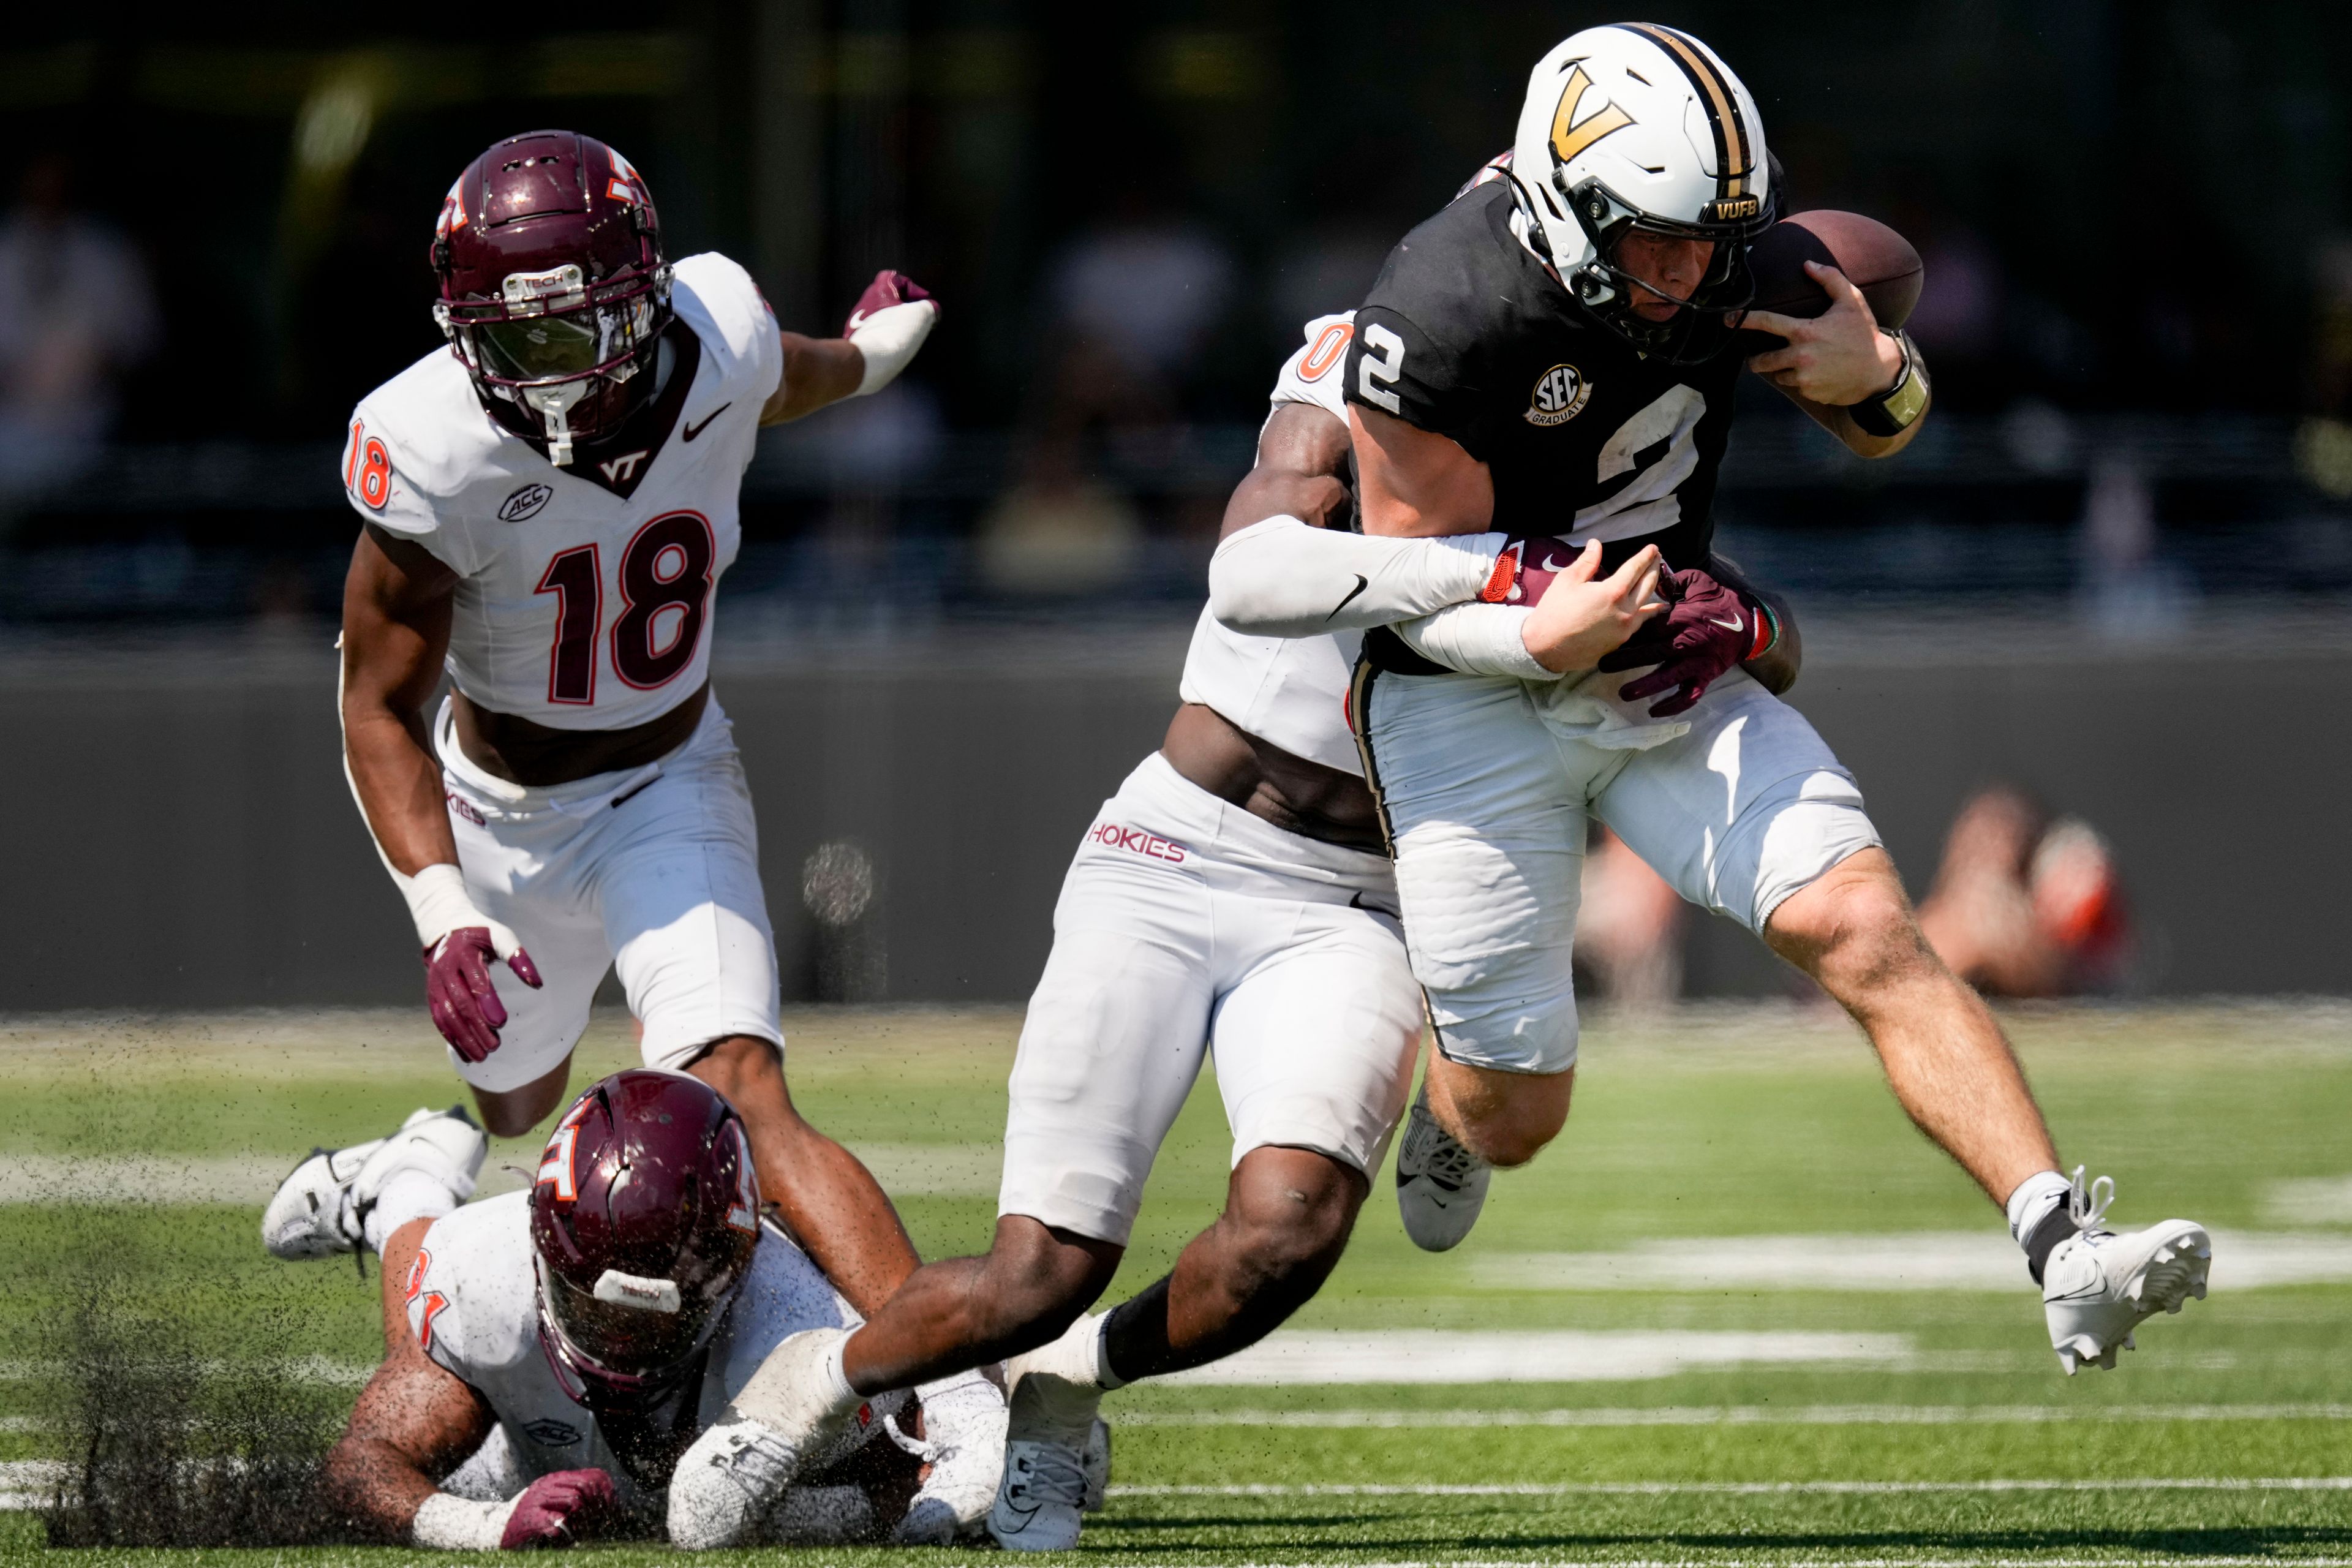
(2116, 571)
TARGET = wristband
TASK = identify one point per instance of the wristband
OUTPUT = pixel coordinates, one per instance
(1768, 631)
(446, 1522)
(438, 902)
(1898, 407)
(888, 339)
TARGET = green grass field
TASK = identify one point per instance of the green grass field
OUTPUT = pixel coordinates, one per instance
(1740, 1313)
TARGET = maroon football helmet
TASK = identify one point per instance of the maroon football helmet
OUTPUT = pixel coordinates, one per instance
(643, 1222)
(554, 289)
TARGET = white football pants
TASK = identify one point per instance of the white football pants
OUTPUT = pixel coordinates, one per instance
(655, 870)
(1737, 806)
(1187, 927)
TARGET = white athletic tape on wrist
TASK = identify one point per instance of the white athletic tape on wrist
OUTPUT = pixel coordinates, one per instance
(439, 904)
(1281, 578)
(888, 339)
(1476, 640)
(448, 1524)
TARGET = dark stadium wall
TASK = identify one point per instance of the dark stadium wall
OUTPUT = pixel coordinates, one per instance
(182, 836)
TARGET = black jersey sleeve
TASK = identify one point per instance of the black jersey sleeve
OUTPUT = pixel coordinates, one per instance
(1399, 369)
(1421, 335)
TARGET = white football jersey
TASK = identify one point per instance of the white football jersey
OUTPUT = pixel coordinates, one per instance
(473, 1303)
(1291, 691)
(585, 592)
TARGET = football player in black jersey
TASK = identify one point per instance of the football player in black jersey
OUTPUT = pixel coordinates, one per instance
(1552, 356)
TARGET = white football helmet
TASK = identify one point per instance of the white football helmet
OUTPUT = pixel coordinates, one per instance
(1634, 125)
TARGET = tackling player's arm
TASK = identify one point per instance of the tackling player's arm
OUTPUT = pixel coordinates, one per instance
(1840, 360)
(1301, 454)
(413, 1424)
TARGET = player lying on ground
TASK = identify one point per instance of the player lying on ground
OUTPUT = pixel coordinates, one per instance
(1552, 353)
(552, 1353)
(1231, 898)
(548, 505)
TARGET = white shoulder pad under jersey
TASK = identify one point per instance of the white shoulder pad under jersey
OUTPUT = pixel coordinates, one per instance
(584, 592)
(473, 1305)
(1291, 691)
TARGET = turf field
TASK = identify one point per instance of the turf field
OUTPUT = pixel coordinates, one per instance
(1741, 1313)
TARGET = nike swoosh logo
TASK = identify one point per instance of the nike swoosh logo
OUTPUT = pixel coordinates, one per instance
(694, 430)
(1734, 624)
(1360, 586)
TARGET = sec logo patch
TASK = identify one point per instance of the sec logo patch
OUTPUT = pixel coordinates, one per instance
(525, 503)
(1558, 396)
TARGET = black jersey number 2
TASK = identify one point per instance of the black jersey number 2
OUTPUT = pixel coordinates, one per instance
(1380, 364)
(664, 596)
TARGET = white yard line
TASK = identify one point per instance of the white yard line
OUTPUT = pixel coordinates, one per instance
(1739, 1415)
(1749, 1488)
(1294, 1356)
(1917, 1260)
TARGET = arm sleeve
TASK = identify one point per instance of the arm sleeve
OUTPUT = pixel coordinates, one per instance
(1476, 640)
(1284, 578)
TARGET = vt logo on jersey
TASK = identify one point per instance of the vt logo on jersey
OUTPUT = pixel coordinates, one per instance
(1559, 395)
(528, 501)
(624, 469)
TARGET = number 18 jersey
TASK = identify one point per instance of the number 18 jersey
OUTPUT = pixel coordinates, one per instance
(585, 592)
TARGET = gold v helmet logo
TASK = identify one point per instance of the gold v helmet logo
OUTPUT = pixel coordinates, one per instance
(1571, 136)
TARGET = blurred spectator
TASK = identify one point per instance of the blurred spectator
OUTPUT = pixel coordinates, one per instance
(1132, 305)
(2324, 445)
(2129, 594)
(1145, 287)
(2026, 907)
(1058, 531)
(76, 311)
(1629, 928)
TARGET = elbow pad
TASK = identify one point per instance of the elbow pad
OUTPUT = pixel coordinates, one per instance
(1281, 578)
(1476, 640)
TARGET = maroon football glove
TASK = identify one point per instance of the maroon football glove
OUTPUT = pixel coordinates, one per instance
(465, 1005)
(559, 1510)
(1525, 568)
(888, 289)
(1707, 628)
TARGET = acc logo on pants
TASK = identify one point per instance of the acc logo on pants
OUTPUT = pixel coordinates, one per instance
(1558, 396)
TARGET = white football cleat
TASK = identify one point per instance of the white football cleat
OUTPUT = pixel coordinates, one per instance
(963, 1442)
(781, 1423)
(2098, 1285)
(1050, 1429)
(321, 1208)
(1440, 1186)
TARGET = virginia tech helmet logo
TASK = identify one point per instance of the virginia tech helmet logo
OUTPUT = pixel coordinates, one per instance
(1571, 136)
(1559, 396)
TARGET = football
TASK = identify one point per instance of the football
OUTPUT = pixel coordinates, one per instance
(1879, 261)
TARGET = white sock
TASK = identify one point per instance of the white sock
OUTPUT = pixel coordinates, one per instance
(835, 1381)
(408, 1196)
(1076, 1357)
(2032, 1201)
